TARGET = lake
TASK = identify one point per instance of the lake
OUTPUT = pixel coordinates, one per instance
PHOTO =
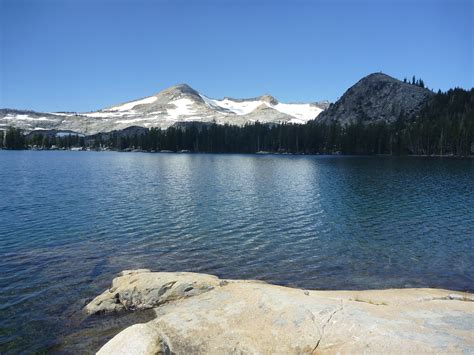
(70, 221)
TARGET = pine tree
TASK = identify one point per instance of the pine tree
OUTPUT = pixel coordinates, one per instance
(14, 139)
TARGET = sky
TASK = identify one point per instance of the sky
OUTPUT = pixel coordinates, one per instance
(73, 55)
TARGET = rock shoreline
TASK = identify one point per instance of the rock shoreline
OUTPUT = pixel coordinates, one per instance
(199, 313)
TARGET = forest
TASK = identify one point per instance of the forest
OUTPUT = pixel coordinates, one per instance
(444, 126)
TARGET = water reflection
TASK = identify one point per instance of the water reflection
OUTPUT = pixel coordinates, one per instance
(70, 221)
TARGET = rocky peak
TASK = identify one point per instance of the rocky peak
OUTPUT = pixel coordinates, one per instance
(377, 97)
(269, 99)
(178, 91)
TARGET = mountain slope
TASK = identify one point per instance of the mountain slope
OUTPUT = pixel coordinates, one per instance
(377, 97)
(179, 103)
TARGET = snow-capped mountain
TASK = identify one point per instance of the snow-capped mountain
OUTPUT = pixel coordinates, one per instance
(179, 103)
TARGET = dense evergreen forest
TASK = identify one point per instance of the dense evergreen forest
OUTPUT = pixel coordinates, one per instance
(444, 126)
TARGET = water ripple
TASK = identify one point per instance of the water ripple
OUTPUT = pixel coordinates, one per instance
(69, 222)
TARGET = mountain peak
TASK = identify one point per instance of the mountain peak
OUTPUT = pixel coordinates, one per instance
(269, 99)
(182, 86)
(378, 76)
(377, 97)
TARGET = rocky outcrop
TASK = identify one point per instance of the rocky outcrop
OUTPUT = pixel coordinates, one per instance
(142, 289)
(202, 314)
(377, 97)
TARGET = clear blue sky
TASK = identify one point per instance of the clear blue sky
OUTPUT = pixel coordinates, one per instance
(75, 55)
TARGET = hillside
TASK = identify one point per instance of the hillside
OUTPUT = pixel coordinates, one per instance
(179, 103)
(375, 98)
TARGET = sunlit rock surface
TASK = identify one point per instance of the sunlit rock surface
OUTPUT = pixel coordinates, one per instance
(199, 313)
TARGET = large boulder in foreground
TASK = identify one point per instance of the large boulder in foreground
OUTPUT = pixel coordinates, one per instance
(230, 316)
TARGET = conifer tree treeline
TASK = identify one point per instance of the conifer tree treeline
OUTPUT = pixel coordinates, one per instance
(13, 138)
(444, 126)
(414, 81)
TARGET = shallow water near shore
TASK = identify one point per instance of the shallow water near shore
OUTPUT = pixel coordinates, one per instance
(70, 221)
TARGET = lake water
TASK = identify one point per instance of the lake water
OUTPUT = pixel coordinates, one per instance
(70, 221)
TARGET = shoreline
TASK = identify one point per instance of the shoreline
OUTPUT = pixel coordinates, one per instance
(200, 313)
(449, 156)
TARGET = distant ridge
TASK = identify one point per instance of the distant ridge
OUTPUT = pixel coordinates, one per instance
(375, 98)
(177, 104)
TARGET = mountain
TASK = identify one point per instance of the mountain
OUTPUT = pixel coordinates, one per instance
(179, 103)
(377, 97)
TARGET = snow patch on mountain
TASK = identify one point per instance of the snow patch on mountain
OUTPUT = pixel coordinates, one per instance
(120, 110)
(26, 118)
(302, 112)
(130, 105)
(183, 107)
(243, 107)
(105, 114)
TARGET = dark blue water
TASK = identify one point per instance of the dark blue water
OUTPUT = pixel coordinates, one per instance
(69, 221)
